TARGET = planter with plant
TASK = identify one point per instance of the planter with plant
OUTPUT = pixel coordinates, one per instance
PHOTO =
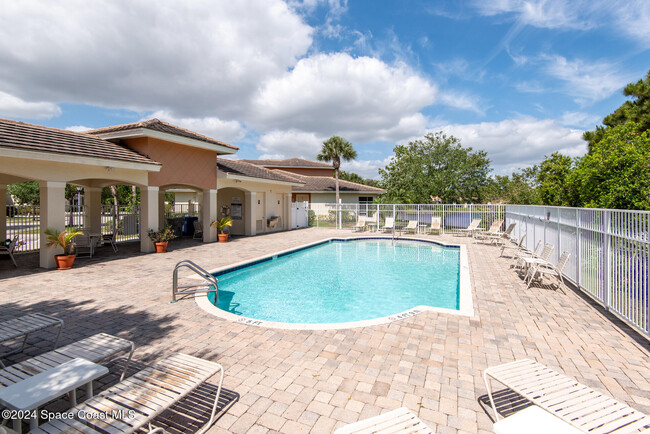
(221, 226)
(65, 241)
(161, 238)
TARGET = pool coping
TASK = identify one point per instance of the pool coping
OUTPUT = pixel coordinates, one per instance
(466, 305)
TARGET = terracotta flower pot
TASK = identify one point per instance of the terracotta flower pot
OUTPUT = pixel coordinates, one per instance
(161, 247)
(223, 238)
(64, 262)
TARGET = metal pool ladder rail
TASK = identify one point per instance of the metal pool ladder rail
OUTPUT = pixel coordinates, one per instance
(209, 284)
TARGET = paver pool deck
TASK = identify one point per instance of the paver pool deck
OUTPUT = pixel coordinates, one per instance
(300, 381)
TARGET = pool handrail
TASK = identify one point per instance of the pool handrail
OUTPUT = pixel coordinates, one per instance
(209, 279)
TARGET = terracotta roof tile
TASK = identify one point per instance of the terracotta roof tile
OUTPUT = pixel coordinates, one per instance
(239, 167)
(328, 184)
(158, 125)
(29, 137)
(290, 162)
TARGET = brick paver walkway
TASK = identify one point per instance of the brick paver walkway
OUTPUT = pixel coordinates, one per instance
(301, 381)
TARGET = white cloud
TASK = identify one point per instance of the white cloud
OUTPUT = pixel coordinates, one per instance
(14, 107)
(337, 94)
(193, 58)
(462, 101)
(365, 168)
(517, 143)
(587, 82)
(291, 143)
(226, 131)
(531, 86)
(579, 119)
(78, 128)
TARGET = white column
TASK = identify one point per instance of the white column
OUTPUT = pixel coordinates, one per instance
(250, 208)
(93, 200)
(3, 212)
(266, 197)
(161, 209)
(208, 215)
(288, 212)
(52, 196)
(148, 216)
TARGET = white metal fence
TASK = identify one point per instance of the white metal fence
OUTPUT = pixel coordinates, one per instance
(610, 252)
(453, 217)
(25, 222)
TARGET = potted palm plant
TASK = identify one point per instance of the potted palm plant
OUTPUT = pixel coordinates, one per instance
(161, 238)
(221, 226)
(65, 241)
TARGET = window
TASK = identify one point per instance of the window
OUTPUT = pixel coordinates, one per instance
(366, 199)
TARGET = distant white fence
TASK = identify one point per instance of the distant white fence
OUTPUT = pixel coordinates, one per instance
(453, 217)
(610, 252)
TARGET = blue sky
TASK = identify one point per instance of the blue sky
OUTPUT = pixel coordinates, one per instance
(519, 79)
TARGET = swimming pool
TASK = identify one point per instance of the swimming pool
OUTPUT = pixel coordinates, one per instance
(343, 281)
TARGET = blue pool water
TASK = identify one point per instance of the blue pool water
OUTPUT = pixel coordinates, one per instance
(343, 281)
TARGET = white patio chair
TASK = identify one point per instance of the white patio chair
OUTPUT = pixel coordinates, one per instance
(576, 404)
(412, 226)
(151, 392)
(525, 252)
(501, 238)
(517, 247)
(546, 268)
(469, 230)
(394, 421)
(361, 225)
(530, 261)
(389, 224)
(9, 250)
(435, 226)
(493, 231)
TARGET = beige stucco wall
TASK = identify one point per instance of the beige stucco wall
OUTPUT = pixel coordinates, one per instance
(182, 164)
(225, 198)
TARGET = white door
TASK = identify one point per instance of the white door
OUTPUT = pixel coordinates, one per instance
(300, 214)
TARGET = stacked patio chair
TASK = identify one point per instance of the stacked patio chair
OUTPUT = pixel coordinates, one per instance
(198, 230)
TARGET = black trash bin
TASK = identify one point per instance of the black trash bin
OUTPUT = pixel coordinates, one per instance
(188, 225)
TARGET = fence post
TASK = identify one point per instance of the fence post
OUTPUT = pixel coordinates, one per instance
(608, 260)
(578, 247)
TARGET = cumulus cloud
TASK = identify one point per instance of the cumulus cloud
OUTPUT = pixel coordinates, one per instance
(365, 168)
(226, 131)
(78, 128)
(579, 119)
(290, 143)
(515, 143)
(339, 94)
(14, 107)
(194, 58)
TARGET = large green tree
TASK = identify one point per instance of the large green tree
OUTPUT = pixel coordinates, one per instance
(354, 177)
(437, 165)
(616, 173)
(520, 188)
(555, 181)
(637, 110)
(334, 149)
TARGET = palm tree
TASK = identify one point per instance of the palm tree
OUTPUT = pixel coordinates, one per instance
(333, 150)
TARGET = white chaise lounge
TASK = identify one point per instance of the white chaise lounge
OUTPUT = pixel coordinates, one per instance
(574, 403)
(393, 422)
(23, 326)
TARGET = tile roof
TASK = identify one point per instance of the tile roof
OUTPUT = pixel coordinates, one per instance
(327, 184)
(291, 162)
(30, 137)
(240, 167)
(158, 125)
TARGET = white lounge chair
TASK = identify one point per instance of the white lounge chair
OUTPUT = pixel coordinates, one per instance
(394, 421)
(25, 325)
(469, 230)
(500, 238)
(389, 224)
(546, 268)
(361, 225)
(9, 250)
(517, 247)
(133, 403)
(531, 261)
(525, 252)
(412, 226)
(493, 231)
(576, 404)
(435, 226)
(97, 348)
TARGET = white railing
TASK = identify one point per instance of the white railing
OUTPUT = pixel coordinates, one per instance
(610, 252)
(453, 217)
